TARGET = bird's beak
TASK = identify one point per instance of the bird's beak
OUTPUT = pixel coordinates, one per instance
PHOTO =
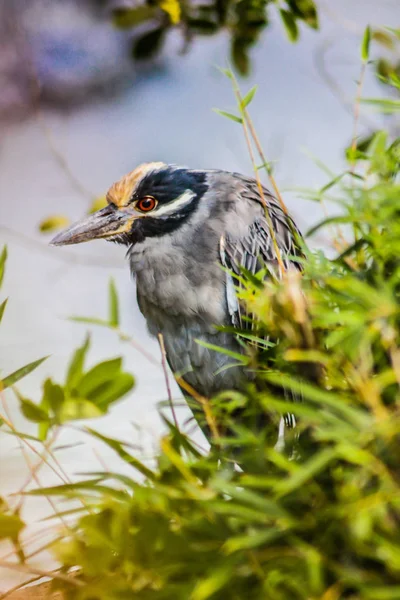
(104, 223)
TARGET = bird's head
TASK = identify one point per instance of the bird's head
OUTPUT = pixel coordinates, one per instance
(153, 200)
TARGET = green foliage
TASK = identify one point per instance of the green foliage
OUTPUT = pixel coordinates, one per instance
(245, 21)
(314, 514)
(84, 395)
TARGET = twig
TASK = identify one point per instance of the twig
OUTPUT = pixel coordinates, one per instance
(36, 571)
(246, 128)
(205, 404)
(164, 366)
(356, 112)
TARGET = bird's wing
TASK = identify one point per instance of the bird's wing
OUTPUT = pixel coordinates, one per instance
(256, 251)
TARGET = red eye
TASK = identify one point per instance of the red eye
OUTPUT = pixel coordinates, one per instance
(146, 204)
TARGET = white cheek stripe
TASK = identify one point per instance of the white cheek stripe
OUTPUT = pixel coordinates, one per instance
(182, 200)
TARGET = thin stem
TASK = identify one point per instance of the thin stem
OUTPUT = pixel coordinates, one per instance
(35, 571)
(356, 113)
(205, 404)
(164, 366)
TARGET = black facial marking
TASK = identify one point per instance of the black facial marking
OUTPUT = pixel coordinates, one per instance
(165, 186)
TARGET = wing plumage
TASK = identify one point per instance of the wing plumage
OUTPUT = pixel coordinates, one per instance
(256, 252)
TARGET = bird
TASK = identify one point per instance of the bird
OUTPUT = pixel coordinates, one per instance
(189, 234)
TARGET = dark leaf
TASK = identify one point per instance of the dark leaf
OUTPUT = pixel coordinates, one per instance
(149, 44)
(290, 25)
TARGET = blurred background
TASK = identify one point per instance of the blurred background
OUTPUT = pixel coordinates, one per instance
(89, 90)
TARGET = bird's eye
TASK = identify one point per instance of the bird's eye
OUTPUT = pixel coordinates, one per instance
(146, 204)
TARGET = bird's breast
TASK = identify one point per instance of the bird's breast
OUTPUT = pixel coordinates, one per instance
(173, 285)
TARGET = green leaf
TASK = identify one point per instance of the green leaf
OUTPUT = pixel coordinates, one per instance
(10, 526)
(228, 115)
(90, 321)
(98, 375)
(227, 72)
(77, 363)
(246, 542)
(53, 396)
(249, 97)
(79, 408)
(289, 22)
(125, 18)
(3, 258)
(113, 305)
(385, 105)
(32, 411)
(208, 586)
(242, 358)
(112, 391)
(2, 308)
(20, 373)
(53, 223)
(365, 44)
(118, 447)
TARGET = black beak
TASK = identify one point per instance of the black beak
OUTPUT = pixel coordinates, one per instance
(104, 223)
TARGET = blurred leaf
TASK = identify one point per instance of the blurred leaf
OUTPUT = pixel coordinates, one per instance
(53, 223)
(3, 258)
(227, 72)
(118, 447)
(304, 10)
(289, 24)
(10, 526)
(365, 44)
(240, 57)
(79, 408)
(249, 96)
(2, 308)
(90, 321)
(32, 411)
(223, 113)
(97, 204)
(395, 32)
(172, 8)
(385, 105)
(98, 375)
(53, 397)
(148, 44)
(203, 26)
(211, 584)
(383, 38)
(246, 542)
(113, 305)
(242, 358)
(75, 370)
(20, 373)
(126, 18)
(112, 391)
